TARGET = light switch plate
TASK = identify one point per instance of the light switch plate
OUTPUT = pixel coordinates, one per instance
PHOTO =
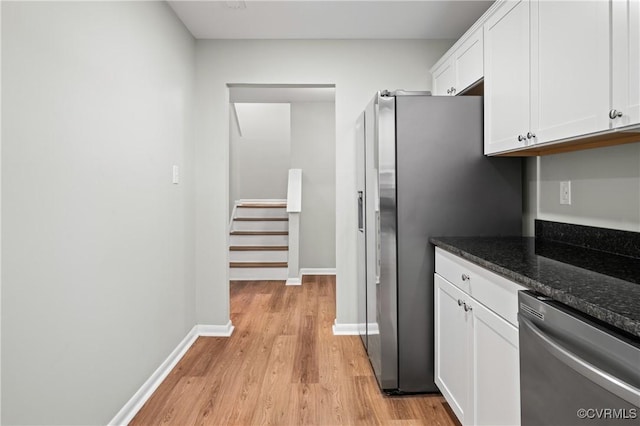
(565, 192)
(176, 175)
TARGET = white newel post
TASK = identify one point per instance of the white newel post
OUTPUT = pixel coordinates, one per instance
(294, 208)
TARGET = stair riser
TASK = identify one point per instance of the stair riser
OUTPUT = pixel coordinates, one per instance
(255, 274)
(258, 240)
(260, 226)
(261, 212)
(258, 256)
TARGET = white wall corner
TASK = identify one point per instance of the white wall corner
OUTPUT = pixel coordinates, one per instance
(131, 408)
(206, 330)
(345, 329)
(294, 281)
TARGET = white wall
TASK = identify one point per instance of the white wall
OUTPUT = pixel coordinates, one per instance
(313, 148)
(357, 68)
(98, 245)
(259, 159)
(605, 186)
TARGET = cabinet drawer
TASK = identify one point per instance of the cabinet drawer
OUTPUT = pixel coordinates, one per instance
(450, 267)
(495, 292)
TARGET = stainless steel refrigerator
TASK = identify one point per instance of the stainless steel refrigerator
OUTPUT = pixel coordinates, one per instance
(421, 173)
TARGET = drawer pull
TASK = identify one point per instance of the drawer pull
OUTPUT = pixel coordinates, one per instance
(460, 302)
(465, 277)
(467, 308)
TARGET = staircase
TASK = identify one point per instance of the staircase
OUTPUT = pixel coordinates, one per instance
(259, 241)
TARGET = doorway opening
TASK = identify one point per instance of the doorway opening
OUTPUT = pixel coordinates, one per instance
(274, 130)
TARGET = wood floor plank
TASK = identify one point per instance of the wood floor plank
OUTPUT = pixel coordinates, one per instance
(283, 366)
(277, 299)
(271, 407)
(305, 367)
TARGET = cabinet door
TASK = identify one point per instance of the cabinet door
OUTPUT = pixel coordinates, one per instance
(625, 56)
(506, 81)
(444, 79)
(452, 347)
(496, 372)
(468, 62)
(570, 57)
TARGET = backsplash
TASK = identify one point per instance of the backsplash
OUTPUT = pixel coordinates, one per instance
(607, 251)
(623, 243)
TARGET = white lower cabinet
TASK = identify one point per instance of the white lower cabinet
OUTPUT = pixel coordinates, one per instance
(476, 348)
(496, 372)
(453, 347)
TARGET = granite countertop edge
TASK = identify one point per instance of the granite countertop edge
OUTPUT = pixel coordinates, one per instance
(612, 318)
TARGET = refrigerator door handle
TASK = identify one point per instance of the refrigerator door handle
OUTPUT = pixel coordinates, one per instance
(360, 211)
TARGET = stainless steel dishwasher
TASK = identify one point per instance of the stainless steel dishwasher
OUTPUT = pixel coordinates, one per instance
(573, 370)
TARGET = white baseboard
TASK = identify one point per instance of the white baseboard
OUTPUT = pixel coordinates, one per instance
(345, 329)
(131, 408)
(294, 281)
(317, 271)
(215, 330)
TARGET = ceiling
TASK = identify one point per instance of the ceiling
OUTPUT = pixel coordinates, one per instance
(431, 19)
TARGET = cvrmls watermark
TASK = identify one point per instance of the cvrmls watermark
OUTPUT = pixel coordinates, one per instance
(608, 413)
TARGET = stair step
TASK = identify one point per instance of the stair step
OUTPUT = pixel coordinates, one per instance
(258, 248)
(259, 233)
(258, 264)
(251, 239)
(261, 219)
(263, 205)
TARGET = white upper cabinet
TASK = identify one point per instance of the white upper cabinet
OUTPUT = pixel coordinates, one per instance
(469, 62)
(570, 50)
(625, 79)
(559, 75)
(461, 68)
(444, 79)
(507, 78)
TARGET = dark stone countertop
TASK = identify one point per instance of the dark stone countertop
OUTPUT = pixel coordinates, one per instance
(603, 285)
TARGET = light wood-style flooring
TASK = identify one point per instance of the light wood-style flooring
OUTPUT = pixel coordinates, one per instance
(283, 366)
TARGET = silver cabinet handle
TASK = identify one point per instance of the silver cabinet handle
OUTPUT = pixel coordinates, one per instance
(530, 135)
(613, 384)
(521, 138)
(460, 302)
(453, 90)
(467, 308)
(448, 91)
(614, 113)
(465, 277)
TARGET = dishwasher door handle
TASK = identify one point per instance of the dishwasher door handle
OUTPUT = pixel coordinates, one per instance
(611, 383)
